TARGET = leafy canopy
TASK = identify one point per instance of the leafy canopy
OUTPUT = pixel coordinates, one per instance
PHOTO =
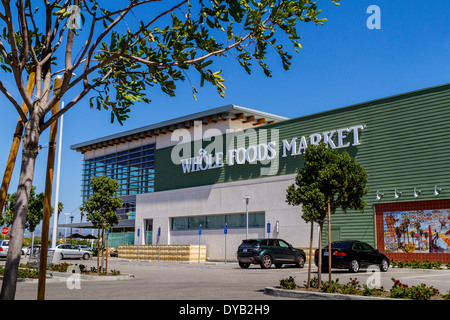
(102, 205)
(328, 175)
(117, 50)
(35, 210)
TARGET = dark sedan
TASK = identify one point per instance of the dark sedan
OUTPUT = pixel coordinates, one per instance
(352, 255)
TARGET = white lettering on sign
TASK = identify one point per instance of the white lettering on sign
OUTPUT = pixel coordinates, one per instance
(203, 161)
(290, 147)
(258, 150)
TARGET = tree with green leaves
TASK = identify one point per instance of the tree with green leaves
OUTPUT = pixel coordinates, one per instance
(101, 208)
(35, 210)
(328, 181)
(113, 52)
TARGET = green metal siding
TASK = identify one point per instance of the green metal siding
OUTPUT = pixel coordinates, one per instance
(405, 144)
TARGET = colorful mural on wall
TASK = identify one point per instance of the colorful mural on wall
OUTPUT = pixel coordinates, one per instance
(417, 231)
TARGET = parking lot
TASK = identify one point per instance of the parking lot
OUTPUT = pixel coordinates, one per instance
(207, 281)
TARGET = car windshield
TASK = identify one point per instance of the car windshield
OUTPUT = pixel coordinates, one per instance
(340, 245)
(250, 242)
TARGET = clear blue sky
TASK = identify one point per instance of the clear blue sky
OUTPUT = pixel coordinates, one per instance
(341, 63)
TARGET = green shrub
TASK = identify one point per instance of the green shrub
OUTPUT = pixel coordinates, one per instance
(331, 286)
(446, 296)
(367, 291)
(420, 292)
(415, 264)
(288, 283)
(313, 283)
(62, 267)
(23, 273)
(351, 287)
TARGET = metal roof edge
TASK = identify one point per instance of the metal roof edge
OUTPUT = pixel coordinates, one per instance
(194, 116)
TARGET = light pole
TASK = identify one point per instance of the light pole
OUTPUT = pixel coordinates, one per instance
(58, 169)
(247, 198)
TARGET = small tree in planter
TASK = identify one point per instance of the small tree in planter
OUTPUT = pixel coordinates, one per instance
(328, 181)
(101, 207)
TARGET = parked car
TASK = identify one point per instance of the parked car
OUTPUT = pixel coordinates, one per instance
(352, 255)
(84, 247)
(266, 252)
(72, 251)
(4, 245)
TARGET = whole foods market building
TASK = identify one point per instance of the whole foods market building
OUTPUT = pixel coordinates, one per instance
(212, 168)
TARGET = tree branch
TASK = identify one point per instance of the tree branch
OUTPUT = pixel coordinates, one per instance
(22, 115)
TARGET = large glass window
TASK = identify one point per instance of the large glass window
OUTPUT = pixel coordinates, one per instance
(255, 220)
(180, 223)
(215, 222)
(134, 169)
(236, 220)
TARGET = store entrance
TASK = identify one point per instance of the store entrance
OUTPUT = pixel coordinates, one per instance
(148, 233)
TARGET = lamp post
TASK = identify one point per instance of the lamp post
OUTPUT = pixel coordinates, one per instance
(58, 169)
(247, 198)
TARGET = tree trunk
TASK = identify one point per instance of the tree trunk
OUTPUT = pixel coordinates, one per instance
(29, 154)
(98, 250)
(329, 241)
(106, 252)
(310, 253)
(320, 255)
(103, 247)
(48, 202)
(15, 145)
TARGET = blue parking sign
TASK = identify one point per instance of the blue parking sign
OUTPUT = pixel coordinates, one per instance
(268, 227)
(225, 229)
(200, 229)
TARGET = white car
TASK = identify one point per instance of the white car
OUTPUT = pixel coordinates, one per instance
(4, 245)
(72, 251)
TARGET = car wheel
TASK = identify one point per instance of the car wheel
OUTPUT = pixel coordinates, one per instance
(266, 262)
(244, 265)
(86, 256)
(300, 263)
(61, 256)
(354, 266)
(384, 266)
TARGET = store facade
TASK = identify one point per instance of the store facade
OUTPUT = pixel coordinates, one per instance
(219, 168)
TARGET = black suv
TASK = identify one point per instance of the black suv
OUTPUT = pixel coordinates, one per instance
(266, 252)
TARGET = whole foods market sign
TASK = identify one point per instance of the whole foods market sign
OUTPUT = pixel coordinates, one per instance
(251, 146)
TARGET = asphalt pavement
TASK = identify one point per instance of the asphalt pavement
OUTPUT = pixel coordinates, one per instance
(153, 280)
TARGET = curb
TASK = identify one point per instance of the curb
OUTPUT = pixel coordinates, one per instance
(310, 295)
(63, 276)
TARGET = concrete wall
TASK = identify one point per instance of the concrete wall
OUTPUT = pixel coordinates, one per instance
(267, 195)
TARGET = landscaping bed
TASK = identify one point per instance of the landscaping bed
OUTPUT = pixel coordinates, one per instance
(353, 287)
(26, 271)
